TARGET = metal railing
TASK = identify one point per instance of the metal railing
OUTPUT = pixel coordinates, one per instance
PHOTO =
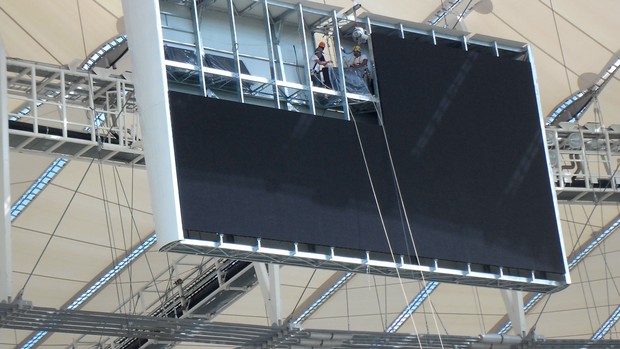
(585, 161)
(72, 113)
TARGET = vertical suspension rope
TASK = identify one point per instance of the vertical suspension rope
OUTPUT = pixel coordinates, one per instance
(384, 227)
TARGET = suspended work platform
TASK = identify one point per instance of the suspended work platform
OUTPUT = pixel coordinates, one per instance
(71, 113)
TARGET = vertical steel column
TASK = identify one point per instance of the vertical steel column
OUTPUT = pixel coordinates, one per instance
(302, 30)
(6, 259)
(145, 39)
(608, 165)
(514, 307)
(272, 61)
(91, 108)
(235, 48)
(33, 93)
(373, 71)
(276, 31)
(120, 118)
(269, 283)
(198, 47)
(343, 83)
(586, 163)
(63, 103)
(274, 288)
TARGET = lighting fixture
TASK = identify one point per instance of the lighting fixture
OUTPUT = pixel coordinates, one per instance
(323, 298)
(37, 187)
(412, 307)
(607, 325)
(98, 284)
(95, 57)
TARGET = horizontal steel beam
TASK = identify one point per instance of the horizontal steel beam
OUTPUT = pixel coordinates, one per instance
(333, 261)
(23, 316)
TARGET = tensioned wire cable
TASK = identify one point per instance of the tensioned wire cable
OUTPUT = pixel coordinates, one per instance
(479, 305)
(119, 289)
(403, 212)
(383, 223)
(132, 217)
(117, 180)
(304, 291)
(586, 224)
(408, 224)
(60, 220)
(598, 118)
(586, 274)
(110, 232)
(135, 229)
(381, 218)
(120, 292)
(105, 200)
(135, 226)
(376, 288)
(402, 206)
(109, 229)
(557, 31)
(126, 247)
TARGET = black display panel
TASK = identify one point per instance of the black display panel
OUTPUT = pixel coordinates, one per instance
(254, 171)
(466, 145)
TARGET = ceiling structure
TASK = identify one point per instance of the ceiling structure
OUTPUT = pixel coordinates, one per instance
(92, 214)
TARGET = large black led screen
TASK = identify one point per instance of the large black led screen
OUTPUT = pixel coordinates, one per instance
(467, 159)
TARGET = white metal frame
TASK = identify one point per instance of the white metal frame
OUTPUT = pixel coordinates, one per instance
(6, 260)
(331, 22)
(437, 271)
(72, 113)
(584, 161)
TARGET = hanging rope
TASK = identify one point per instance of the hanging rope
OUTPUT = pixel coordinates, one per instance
(378, 206)
(408, 225)
(381, 217)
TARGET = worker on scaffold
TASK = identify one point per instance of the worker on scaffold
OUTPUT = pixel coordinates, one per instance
(319, 69)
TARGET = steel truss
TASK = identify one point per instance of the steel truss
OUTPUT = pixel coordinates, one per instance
(464, 274)
(23, 316)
